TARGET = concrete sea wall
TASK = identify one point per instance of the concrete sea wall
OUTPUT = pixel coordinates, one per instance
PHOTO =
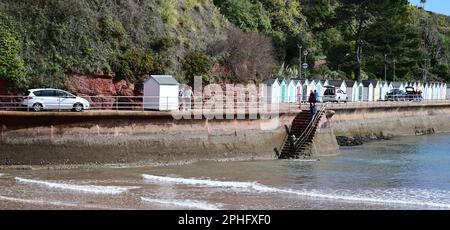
(391, 121)
(70, 138)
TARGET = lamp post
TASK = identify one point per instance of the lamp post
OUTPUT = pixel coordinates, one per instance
(385, 67)
(300, 60)
(394, 67)
(425, 69)
(305, 53)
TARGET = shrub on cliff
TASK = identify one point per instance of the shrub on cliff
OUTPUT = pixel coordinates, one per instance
(11, 65)
(134, 65)
(196, 64)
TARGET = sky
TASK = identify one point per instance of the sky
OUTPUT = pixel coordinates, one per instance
(438, 6)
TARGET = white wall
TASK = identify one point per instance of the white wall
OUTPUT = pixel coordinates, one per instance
(168, 97)
(151, 94)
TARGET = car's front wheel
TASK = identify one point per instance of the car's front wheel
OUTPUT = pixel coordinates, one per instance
(37, 107)
(77, 107)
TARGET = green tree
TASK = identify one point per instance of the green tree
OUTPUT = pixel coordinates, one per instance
(11, 64)
(196, 64)
(133, 65)
(356, 18)
(247, 15)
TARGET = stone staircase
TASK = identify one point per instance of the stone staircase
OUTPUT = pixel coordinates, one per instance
(305, 137)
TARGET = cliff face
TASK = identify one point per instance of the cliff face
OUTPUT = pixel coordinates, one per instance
(58, 38)
(101, 85)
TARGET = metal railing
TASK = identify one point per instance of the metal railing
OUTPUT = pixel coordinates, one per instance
(238, 104)
(308, 130)
(141, 103)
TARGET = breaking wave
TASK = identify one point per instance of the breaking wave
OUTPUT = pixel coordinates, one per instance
(184, 203)
(96, 189)
(409, 197)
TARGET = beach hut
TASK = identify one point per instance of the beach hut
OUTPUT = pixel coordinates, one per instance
(367, 90)
(447, 94)
(434, 91)
(360, 91)
(311, 87)
(384, 90)
(444, 91)
(305, 90)
(376, 90)
(283, 90)
(426, 89)
(291, 91)
(430, 91)
(351, 90)
(319, 89)
(161, 93)
(272, 91)
(298, 90)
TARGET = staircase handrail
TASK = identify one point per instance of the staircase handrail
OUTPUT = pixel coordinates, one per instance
(304, 136)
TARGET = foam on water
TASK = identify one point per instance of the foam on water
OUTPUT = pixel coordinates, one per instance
(48, 202)
(409, 197)
(201, 182)
(185, 203)
(96, 189)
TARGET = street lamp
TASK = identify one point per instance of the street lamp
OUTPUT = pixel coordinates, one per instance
(385, 67)
(300, 60)
(305, 65)
(425, 70)
(394, 67)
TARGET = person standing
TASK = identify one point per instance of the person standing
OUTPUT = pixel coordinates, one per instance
(187, 98)
(180, 99)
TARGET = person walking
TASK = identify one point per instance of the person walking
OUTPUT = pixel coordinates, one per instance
(312, 99)
(292, 141)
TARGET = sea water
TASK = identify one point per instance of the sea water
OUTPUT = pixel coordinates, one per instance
(402, 173)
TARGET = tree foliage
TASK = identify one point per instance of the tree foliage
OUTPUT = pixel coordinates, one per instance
(11, 65)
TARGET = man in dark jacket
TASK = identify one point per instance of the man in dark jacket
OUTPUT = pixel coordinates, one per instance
(312, 99)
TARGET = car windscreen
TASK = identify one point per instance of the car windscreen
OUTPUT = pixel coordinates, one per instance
(330, 91)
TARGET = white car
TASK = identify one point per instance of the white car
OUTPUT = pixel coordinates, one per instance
(52, 99)
(332, 94)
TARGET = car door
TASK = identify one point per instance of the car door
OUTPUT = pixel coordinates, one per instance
(66, 100)
(49, 99)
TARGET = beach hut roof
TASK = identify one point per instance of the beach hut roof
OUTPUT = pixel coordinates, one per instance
(396, 84)
(163, 79)
(366, 83)
(349, 83)
(335, 83)
(271, 81)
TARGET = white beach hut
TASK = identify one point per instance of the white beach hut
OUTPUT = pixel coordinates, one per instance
(272, 91)
(351, 90)
(447, 94)
(367, 90)
(298, 90)
(161, 93)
